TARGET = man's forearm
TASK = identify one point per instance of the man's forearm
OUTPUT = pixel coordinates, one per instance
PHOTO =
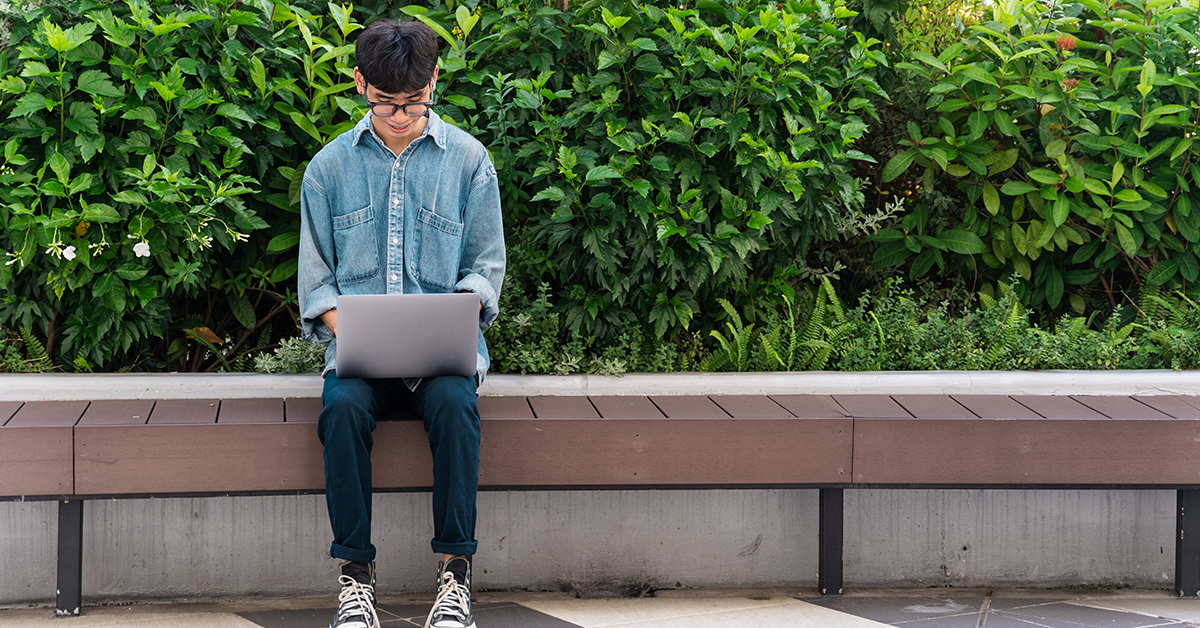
(330, 319)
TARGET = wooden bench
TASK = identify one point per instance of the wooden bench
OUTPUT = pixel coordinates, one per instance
(73, 451)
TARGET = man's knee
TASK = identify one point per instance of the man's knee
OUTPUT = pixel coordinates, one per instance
(450, 406)
(348, 405)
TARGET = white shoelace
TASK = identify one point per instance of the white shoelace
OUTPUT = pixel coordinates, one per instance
(355, 599)
(453, 599)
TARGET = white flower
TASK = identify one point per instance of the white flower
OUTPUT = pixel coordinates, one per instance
(141, 249)
(69, 253)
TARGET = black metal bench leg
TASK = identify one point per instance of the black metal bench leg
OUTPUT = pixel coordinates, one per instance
(1187, 543)
(70, 558)
(829, 562)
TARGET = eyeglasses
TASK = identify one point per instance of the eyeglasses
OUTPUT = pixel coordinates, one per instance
(412, 109)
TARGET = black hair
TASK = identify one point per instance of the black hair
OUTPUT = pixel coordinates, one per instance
(397, 58)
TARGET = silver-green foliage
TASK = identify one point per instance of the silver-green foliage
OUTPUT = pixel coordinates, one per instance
(292, 356)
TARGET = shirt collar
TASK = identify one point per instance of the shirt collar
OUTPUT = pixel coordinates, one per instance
(435, 128)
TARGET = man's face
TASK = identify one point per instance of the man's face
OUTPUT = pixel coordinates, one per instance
(397, 128)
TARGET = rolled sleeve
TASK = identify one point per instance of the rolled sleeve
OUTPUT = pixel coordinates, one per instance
(315, 279)
(483, 262)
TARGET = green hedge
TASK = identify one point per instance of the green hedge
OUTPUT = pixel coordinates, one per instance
(1069, 138)
(148, 193)
(653, 159)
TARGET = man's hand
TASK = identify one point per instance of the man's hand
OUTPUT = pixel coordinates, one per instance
(330, 319)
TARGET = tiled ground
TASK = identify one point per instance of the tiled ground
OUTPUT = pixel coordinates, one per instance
(680, 609)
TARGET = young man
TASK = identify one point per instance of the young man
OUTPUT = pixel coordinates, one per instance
(401, 203)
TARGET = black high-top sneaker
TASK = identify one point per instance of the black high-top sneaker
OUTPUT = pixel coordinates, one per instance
(356, 602)
(452, 607)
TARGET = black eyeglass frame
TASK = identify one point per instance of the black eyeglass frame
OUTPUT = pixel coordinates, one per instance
(404, 107)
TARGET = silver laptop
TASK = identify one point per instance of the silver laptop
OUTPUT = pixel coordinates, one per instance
(407, 335)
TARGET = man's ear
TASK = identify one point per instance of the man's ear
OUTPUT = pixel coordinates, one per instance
(433, 82)
(361, 83)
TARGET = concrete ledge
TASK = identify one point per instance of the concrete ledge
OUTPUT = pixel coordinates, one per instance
(63, 386)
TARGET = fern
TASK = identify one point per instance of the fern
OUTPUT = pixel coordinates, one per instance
(736, 347)
(1004, 339)
(38, 361)
(211, 347)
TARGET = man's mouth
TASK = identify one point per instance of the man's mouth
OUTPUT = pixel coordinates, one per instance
(398, 129)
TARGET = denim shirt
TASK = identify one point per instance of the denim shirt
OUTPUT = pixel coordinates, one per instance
(426, 221)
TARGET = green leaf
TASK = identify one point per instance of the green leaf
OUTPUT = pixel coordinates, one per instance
(1045, 176)
(31, 103)
(1128, 195)
(898, 164)
(1017, 188)
(602, 172)
(758, 220)
(285, 270)
(283, 242)
(258, 74)
(977, 73)
(96, 83)
(890, 254)
(991, 199)
(552, 193)
(306, 125)
(962, 242)
(243, 311)
(1054, 285)
(1162, 272)
(460, 100)
(230, 110)
(974, 163)
(1056, 148)
(1060, 211)
(98, 212)
(1125, 239)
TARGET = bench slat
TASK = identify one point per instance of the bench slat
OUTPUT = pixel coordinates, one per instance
(1176, 407)
(871, 406)
(689, 407)
(630, 407)
(1119, 407)
(302, 409)
(671, 452)
(995, 407)
(1057, 407)
(184, 411)
(933, 407)
(48, 414)
(36, 461)
(1026, 452)
(250, 411)
(565, 407)
(117, 412)
(7, 410)
(810, 406)
(159, 459)
(751, 406)
(504, 408)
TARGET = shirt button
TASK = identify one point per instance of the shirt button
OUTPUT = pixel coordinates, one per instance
(395, 240)
(393, 278)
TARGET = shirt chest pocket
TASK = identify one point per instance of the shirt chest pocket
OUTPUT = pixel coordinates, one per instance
(439, 249)
(357, 246)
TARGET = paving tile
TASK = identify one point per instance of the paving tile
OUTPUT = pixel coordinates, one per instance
(505, 615)
(1066, 615)
(897, 611)
(700, 613)
(1165, 607)
(137, 617)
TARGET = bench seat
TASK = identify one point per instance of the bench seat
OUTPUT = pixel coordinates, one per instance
(78, 450)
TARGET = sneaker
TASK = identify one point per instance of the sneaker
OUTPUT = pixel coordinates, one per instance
(356, 602)
(452, 608)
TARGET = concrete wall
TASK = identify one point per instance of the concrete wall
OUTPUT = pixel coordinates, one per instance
(604, 542)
